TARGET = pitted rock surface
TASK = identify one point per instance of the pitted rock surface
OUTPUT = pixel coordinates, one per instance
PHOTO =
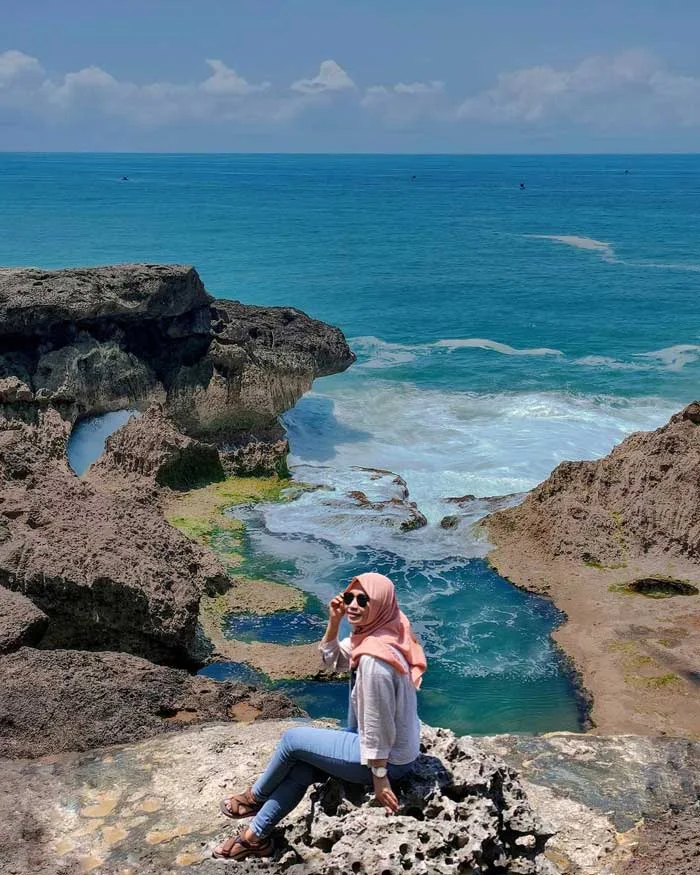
(461, 811)
(21, 622)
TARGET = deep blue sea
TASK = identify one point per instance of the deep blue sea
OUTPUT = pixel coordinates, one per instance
(499, 330)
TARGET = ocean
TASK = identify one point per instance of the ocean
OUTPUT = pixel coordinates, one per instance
(499, 330)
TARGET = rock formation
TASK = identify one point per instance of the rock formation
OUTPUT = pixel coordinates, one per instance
(612, 542)
(644, 498)
(90, 564)
(153, 807)
(111, 337)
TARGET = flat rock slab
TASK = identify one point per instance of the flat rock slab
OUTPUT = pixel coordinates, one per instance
(153, 807)
(595, 790)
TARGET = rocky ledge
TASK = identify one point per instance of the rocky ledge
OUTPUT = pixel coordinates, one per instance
(616, 543)
(153, 807)
(90, 564)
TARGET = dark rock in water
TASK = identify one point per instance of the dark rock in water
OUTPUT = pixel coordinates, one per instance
(417, 519)
(449, 522)
(21, 622)
(461, 499)
(76, 700)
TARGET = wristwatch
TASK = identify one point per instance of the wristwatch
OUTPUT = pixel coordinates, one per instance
(379, 771)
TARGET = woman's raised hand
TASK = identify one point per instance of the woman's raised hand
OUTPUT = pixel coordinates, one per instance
(336, 609)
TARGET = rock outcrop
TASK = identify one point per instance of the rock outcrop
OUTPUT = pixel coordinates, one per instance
(105, 338)
(73, 700)
(612, 542)
(109, 573)
(92, 554)
(643, 498)
(148, 452)
(153, 807)
(21, 622)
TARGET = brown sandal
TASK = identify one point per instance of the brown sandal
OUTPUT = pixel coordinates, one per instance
(237, 848)
(241, 805)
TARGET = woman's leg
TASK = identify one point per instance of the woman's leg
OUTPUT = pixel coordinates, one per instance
(304, 756)
(335, 752)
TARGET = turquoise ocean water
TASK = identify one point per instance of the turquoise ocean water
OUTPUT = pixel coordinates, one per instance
(498, 331)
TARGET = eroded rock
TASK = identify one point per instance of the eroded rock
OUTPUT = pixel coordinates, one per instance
(72, 700)
(21, 622)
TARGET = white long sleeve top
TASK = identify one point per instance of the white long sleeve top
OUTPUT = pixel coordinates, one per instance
(382, 708)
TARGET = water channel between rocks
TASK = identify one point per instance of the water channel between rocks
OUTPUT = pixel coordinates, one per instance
(492, 665)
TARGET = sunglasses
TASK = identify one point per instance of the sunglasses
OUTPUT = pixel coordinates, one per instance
(362, 599)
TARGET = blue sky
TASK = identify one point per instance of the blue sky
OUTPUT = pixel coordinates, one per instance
(307, 75)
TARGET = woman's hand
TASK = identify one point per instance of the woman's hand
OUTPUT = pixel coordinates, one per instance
(385, 795)
(336, 609)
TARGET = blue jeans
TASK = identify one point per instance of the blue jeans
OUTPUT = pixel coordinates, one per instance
(307, 755)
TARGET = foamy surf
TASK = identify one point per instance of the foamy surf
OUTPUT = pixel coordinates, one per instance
(444, 444)
(607, 252)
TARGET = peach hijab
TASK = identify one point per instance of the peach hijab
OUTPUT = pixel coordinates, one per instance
(386, 630)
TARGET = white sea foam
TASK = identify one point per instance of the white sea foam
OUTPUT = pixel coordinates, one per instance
(674, 358)
(613, 364)
(444, 444)
(605, 250)
(481, 343)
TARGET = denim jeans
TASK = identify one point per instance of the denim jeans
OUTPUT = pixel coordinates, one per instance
(307, 755)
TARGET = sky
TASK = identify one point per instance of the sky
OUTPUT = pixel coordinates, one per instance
(485, 76)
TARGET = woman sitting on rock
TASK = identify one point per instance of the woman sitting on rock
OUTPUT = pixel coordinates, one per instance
(382, 739)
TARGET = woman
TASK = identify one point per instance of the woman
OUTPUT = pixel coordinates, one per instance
(382, 739)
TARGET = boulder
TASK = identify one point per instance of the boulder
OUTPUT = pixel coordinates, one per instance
(148, 451)
(109, 572)
(21, 622)
(75, 700)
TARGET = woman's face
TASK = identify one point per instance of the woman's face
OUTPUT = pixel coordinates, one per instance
(355, 613)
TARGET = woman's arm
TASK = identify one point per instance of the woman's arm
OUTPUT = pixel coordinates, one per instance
(332, 654)
(377, 723)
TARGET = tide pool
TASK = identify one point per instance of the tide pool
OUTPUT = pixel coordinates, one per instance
(498, 332)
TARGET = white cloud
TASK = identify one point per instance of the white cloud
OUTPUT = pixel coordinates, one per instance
(628, 89)
(403, 103)
(331, 77)
(225, 81)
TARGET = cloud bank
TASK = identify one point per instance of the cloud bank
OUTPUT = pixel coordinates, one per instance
(629, 91)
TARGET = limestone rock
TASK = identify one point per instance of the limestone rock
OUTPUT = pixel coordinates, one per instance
(149, 451)
(63, 700)
(110, 573)
(45, 303)
(21, 622)
(643, 498)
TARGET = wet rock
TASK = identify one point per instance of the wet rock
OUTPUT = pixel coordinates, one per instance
(449, 522)
(21, 622)
(63, 700)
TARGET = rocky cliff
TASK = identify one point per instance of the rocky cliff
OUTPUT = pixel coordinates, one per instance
(616, 544)
(90, 564)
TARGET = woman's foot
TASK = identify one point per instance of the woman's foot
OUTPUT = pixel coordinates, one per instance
(241, 805)
(242, 846)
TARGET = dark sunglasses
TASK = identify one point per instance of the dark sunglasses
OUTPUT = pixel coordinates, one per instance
(362, 599)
